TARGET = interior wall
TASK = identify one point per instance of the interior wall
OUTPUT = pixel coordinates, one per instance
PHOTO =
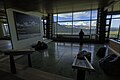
(25, 43)
(1, 30)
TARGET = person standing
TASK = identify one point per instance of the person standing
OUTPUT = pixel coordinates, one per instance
(81, 34)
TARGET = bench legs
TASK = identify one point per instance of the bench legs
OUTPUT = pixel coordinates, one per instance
(12, 63)
(29, 60)
(80, 74)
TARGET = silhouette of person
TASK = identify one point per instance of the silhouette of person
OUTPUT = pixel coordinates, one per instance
(81, 34)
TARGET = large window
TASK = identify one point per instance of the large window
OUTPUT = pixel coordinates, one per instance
(93, 26)
(71, 23)
(77, 25)
(115, 23)
(85, 15)
(114, 28)
(94, 14)
(64, 28)
(65, 17)
(55, 17)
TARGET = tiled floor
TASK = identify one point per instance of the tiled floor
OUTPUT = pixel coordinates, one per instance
(59, 56)
(58, 59)
(5, 44)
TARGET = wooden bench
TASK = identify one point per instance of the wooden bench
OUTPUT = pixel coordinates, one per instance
(13, 53)
(82, 65)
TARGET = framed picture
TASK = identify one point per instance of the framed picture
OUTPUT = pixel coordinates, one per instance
(27, 26)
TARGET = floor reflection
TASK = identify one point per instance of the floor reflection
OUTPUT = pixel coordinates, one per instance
(5, 44)
(58, 58)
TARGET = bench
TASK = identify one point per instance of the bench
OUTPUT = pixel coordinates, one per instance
(13, 53)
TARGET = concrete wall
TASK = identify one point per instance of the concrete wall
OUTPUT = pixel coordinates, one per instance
(1, 30)
(25, 43)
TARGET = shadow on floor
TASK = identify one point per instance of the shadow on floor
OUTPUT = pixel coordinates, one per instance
(7, 76)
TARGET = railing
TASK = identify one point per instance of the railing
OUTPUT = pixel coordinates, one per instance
(71, 36)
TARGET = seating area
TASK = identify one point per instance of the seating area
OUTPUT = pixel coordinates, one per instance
(60, 61)
(110, 65)
(59, 39)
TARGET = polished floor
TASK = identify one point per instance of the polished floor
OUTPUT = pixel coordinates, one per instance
(7, 76)
(58, 59)
(59, 56)
(5, 44)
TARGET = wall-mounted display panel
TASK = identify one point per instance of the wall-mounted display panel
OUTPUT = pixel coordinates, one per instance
(27, 26)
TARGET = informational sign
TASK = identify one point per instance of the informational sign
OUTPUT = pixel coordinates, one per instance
(27, 26)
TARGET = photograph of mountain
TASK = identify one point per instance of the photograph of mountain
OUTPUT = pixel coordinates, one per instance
(27, 26)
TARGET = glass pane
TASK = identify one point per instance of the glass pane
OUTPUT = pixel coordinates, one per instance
(93, 27)
(85, 15)
(65, 17)
(107, 28)
(94, 14)
(85, 25)
(114, 28)
(55, 17)
(54, 28)
(116, 16)
(106, 34)
(107, 21)
(108, 16)
(119, 34)
(64, 28)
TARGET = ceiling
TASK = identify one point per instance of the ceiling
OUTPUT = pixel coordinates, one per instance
(56, 6)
